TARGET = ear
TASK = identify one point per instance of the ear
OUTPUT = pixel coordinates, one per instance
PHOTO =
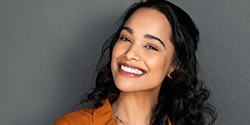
(171, 69)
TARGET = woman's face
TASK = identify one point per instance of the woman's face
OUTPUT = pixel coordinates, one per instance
(142, 56)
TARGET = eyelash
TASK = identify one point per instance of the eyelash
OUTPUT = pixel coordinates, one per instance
(125, 39)
(150, 47)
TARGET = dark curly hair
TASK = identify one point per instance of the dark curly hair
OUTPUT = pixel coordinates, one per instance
(182, 98)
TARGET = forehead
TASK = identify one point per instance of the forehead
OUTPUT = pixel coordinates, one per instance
(149, 20)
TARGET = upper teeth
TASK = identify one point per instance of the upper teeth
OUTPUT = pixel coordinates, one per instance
(131, 70)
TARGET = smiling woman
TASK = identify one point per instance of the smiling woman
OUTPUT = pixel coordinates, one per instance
(150, 75)
(143, 46)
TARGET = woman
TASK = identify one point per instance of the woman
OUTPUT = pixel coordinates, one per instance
(150, 73)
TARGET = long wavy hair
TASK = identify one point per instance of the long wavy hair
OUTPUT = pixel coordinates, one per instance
(182, 98)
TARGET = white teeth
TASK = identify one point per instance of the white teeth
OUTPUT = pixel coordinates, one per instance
(131, 70)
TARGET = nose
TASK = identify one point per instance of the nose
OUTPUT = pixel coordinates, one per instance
(133, 53)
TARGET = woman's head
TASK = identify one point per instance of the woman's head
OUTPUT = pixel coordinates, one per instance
(142, 56)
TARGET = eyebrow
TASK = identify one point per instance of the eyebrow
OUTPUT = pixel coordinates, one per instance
(149, 36)
(127, 29)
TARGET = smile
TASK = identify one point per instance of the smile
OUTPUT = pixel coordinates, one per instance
(131, 70)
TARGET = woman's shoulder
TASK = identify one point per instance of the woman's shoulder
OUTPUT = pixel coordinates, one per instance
(79, 117)
(101, 115)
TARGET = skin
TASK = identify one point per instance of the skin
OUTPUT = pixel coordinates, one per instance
(144, 44)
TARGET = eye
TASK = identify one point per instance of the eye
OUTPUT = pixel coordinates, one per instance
(124, 39)
(151, 47)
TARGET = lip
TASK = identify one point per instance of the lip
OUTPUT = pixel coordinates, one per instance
(131, 66)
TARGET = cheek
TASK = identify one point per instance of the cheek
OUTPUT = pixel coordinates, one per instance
(119, 49)
(116, 52)
(159, 64)
(113, 57)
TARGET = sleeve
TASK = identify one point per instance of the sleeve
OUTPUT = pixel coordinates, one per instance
(62, 121)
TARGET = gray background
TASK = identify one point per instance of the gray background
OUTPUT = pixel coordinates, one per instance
(49, 48)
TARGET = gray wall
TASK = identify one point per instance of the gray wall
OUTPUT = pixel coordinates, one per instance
(49, 48)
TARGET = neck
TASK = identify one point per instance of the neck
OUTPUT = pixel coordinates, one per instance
(134, 108)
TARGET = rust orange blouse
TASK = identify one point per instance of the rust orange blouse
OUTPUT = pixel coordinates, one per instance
(99, 116)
